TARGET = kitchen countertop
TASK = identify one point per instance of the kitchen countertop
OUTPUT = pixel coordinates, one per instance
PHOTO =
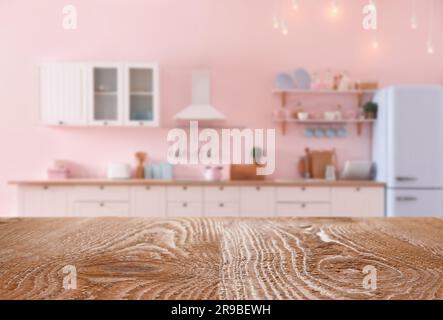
(219, 258)
(312, 183)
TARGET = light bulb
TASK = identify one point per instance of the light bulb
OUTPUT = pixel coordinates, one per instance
(295, 4)
(414, 23)
(430, 48)
(334, 8)
(284, 28)
(275, 22)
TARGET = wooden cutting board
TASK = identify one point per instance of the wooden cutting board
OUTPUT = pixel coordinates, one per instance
(319, 161)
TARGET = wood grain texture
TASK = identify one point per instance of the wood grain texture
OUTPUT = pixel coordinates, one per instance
(217, 258)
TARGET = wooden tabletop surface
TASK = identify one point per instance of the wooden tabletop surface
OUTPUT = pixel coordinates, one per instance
(218, 258)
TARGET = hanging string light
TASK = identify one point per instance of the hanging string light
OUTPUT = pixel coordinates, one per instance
(295, 4)
(284, 28)
(414, 24)
(334, 7)
(431, 29)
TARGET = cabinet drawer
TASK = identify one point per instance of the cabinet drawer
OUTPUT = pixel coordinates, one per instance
(303, 210)
(257, 201)
(149, 201)
(185, 209)
(101, 209)
(303, 194)
(101, 193)
(222, 209)
(221, 194)
(358, 202)
(185, 194)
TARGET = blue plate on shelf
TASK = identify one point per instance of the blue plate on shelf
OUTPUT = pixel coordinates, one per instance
(309, 133)
(303, 79)
(319, 133)
(331, 133)
(284, 81)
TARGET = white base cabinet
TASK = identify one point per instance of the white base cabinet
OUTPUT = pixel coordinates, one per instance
(196, 201)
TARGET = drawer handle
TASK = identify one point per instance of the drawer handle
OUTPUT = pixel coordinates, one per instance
(258, 188)
(148, 188)
(406, 199)
(45, 187)
(303, 205)
(185, 205)
(60, 123)
(222, 188)
(221, 205)
(358, 189)
(185, 188)
(141, 124)
(303, 189)
(102, 204)
(102, 188)
(105, 123)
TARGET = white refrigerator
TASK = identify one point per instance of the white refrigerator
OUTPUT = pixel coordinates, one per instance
(408, 149)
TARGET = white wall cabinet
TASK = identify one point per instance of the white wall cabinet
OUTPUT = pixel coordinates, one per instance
(195, 201)
(63, 94)
(100, 94)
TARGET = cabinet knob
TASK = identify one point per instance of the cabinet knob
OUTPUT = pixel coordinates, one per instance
(303, 205)
(258, 188)
(185, 188)
(185, 205)
(45, 187)
(221, 205)
(102, 188)
(358, 189)
(303, 189)
(102, 204)
(221, 188)
(105, 123)
(60, 123)
(141, 124)
(148, 188)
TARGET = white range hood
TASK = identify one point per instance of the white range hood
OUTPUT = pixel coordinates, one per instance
(201, 108)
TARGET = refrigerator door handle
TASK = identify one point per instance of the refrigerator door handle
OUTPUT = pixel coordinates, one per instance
(406, 199)
(405, 179)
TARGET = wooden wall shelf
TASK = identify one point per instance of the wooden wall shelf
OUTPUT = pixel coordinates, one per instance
(360, 94)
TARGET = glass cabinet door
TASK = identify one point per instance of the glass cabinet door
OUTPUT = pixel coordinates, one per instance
(106, 83)
(142, 95)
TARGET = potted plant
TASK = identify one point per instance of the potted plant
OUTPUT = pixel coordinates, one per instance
(370, 110)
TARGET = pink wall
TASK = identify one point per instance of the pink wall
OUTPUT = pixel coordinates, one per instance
(232, 37)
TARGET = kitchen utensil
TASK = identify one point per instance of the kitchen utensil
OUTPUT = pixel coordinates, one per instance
(319, 133)
(330, 173)
(331, 133)
(140, 170)
(284, 81)
(303, 79)
(357, 170)
(309, 133)
(303, 116)
(118, 170)
(167, 171)
(213, 173)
